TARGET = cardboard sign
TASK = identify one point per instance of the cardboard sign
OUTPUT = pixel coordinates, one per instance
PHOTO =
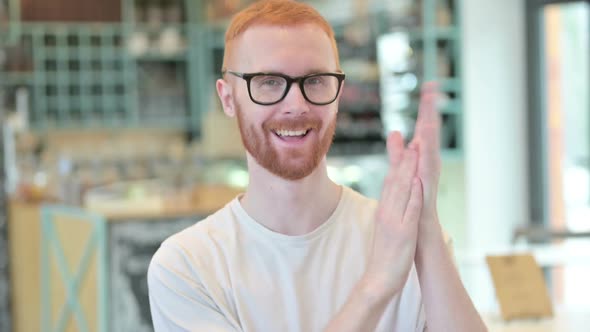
(520, 286)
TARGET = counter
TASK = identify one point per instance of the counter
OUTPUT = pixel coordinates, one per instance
(130, 240)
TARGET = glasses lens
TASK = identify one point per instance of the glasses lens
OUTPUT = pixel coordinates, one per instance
(267, 88)
(321, 89)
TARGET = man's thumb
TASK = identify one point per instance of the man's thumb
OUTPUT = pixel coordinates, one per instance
(395, 147)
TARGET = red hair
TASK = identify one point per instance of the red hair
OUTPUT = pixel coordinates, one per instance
(283, 13)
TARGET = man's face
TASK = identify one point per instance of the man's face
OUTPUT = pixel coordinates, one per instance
(292, 137)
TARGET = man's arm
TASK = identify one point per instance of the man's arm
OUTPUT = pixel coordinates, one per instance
(394, 244)
(446, 302)
(363, 310)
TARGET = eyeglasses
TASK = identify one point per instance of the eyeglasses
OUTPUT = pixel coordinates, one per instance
(271, 88)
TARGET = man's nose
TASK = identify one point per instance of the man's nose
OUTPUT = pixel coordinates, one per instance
(294, 101)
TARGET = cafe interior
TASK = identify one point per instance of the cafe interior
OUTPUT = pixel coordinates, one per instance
(113, 138)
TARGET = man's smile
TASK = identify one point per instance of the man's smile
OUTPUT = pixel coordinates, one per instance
(291, 133)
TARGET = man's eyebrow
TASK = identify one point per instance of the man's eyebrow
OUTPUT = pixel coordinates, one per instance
(315, 71)
(307, 72)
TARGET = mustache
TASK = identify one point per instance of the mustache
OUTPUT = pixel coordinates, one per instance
(292, 124)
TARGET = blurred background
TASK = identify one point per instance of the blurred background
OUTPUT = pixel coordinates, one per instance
(113, 138)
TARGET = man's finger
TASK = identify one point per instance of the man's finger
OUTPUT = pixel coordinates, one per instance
(395, 147)
(427, 133)
(402, 184)
(397, 188)
(427, 109)
(414, 207)
(395, 151)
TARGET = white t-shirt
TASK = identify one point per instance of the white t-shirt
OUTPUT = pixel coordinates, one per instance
(230, 273)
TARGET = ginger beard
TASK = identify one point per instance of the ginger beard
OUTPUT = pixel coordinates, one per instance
(292, 164)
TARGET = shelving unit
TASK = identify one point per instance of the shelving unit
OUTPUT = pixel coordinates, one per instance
(435, 56)
(91, 76)
(6, 305)
(80, 75)
(5, 290)
(88, 75)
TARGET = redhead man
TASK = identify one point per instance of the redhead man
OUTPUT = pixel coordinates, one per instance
(297, 252)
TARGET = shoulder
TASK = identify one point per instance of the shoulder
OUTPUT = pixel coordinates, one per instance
(357, 206)
(197, 246)
(217, 226)
(185, 278)
(356, 200)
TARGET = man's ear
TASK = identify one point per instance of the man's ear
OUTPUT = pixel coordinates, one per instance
(224, 91)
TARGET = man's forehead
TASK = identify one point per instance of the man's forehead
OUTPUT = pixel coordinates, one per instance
(281, 29)
(262, 34)
(265, 42)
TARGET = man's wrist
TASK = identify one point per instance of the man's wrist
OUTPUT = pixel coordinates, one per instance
(374, 293)
(429, 221)
(430, 232)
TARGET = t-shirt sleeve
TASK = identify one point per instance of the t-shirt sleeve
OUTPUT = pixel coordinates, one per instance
(178, 300)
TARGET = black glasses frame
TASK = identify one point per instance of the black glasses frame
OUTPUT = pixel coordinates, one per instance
(290, 80)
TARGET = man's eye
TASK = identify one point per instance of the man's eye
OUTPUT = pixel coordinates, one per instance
(314, 81)
(270, 82)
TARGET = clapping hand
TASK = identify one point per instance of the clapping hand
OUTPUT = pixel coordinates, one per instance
(408, 198)
(427, 142)
(396, 218)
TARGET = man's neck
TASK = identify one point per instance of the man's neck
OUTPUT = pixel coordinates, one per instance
(290, 207)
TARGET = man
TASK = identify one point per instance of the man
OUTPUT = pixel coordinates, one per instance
(296, 252)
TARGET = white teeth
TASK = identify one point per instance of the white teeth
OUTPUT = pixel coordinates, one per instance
(290, 132)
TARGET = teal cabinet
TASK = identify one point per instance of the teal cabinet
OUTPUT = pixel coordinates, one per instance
(141, 72)
(388, 49)
(157, 68)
